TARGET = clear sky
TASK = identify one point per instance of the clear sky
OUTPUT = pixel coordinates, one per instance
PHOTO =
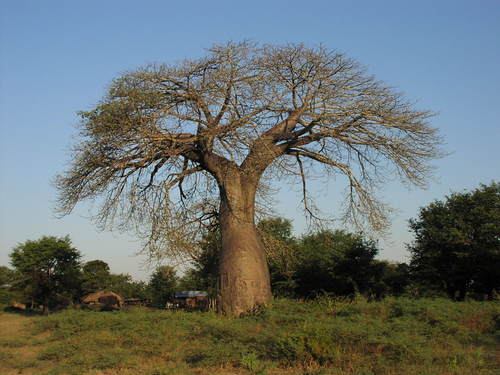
(56, 58)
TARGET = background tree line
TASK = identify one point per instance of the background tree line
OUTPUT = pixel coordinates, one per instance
(49, 272)
(332, 262)
(456, 252)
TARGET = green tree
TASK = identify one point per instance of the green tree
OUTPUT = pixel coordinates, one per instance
(396, 277)
(50, 269)
(193, 280)
(389, 279)
(7, 277)
(457, 243)
(8, 282)
(206, 264)
(218, 127)
(337, 262)
(282, 254)
(95, 276)
(334, 262)
(162, 285)
(127, 287)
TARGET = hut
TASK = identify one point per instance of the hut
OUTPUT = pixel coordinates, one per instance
(191, 300)
(104, 300)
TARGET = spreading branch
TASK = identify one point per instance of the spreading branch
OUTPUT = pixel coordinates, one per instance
(243, 112)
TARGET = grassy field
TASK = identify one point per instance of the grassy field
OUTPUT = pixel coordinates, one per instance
(327, 336)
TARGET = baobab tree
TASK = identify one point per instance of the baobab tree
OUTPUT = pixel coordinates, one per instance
(216, 128)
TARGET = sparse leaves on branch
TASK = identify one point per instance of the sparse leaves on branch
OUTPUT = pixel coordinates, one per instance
(255, 112)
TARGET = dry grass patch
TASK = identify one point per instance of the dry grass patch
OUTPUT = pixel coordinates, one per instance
(18, 347)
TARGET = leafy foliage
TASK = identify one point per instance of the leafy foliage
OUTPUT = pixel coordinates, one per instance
(95, 276)
(282, 252)
(6, 276)
(50, 269)
(162, 285)
(337, 262)
(332, 262)
(8, 281)
(203, 275)
(457, 243)
(127, 287)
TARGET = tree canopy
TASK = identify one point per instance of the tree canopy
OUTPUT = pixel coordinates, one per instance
(279, 109)
(95, 276)
(457, 243)
(220, 128)
(50, 268)
(336, 262)
(162, 285)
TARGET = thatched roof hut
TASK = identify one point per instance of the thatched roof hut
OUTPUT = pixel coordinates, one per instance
(104, 297)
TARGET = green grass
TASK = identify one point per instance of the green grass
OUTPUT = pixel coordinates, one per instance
(326, 336)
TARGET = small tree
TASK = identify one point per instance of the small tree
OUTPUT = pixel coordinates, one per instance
(95, 276)
(162, 285)
(457, 246)
(219, 127)
(50, 269)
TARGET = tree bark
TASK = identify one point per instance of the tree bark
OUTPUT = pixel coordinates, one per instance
(244, 281)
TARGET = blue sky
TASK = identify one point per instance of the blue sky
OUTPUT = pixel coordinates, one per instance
(56, 58)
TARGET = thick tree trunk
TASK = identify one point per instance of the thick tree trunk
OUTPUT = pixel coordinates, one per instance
(244, 281)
